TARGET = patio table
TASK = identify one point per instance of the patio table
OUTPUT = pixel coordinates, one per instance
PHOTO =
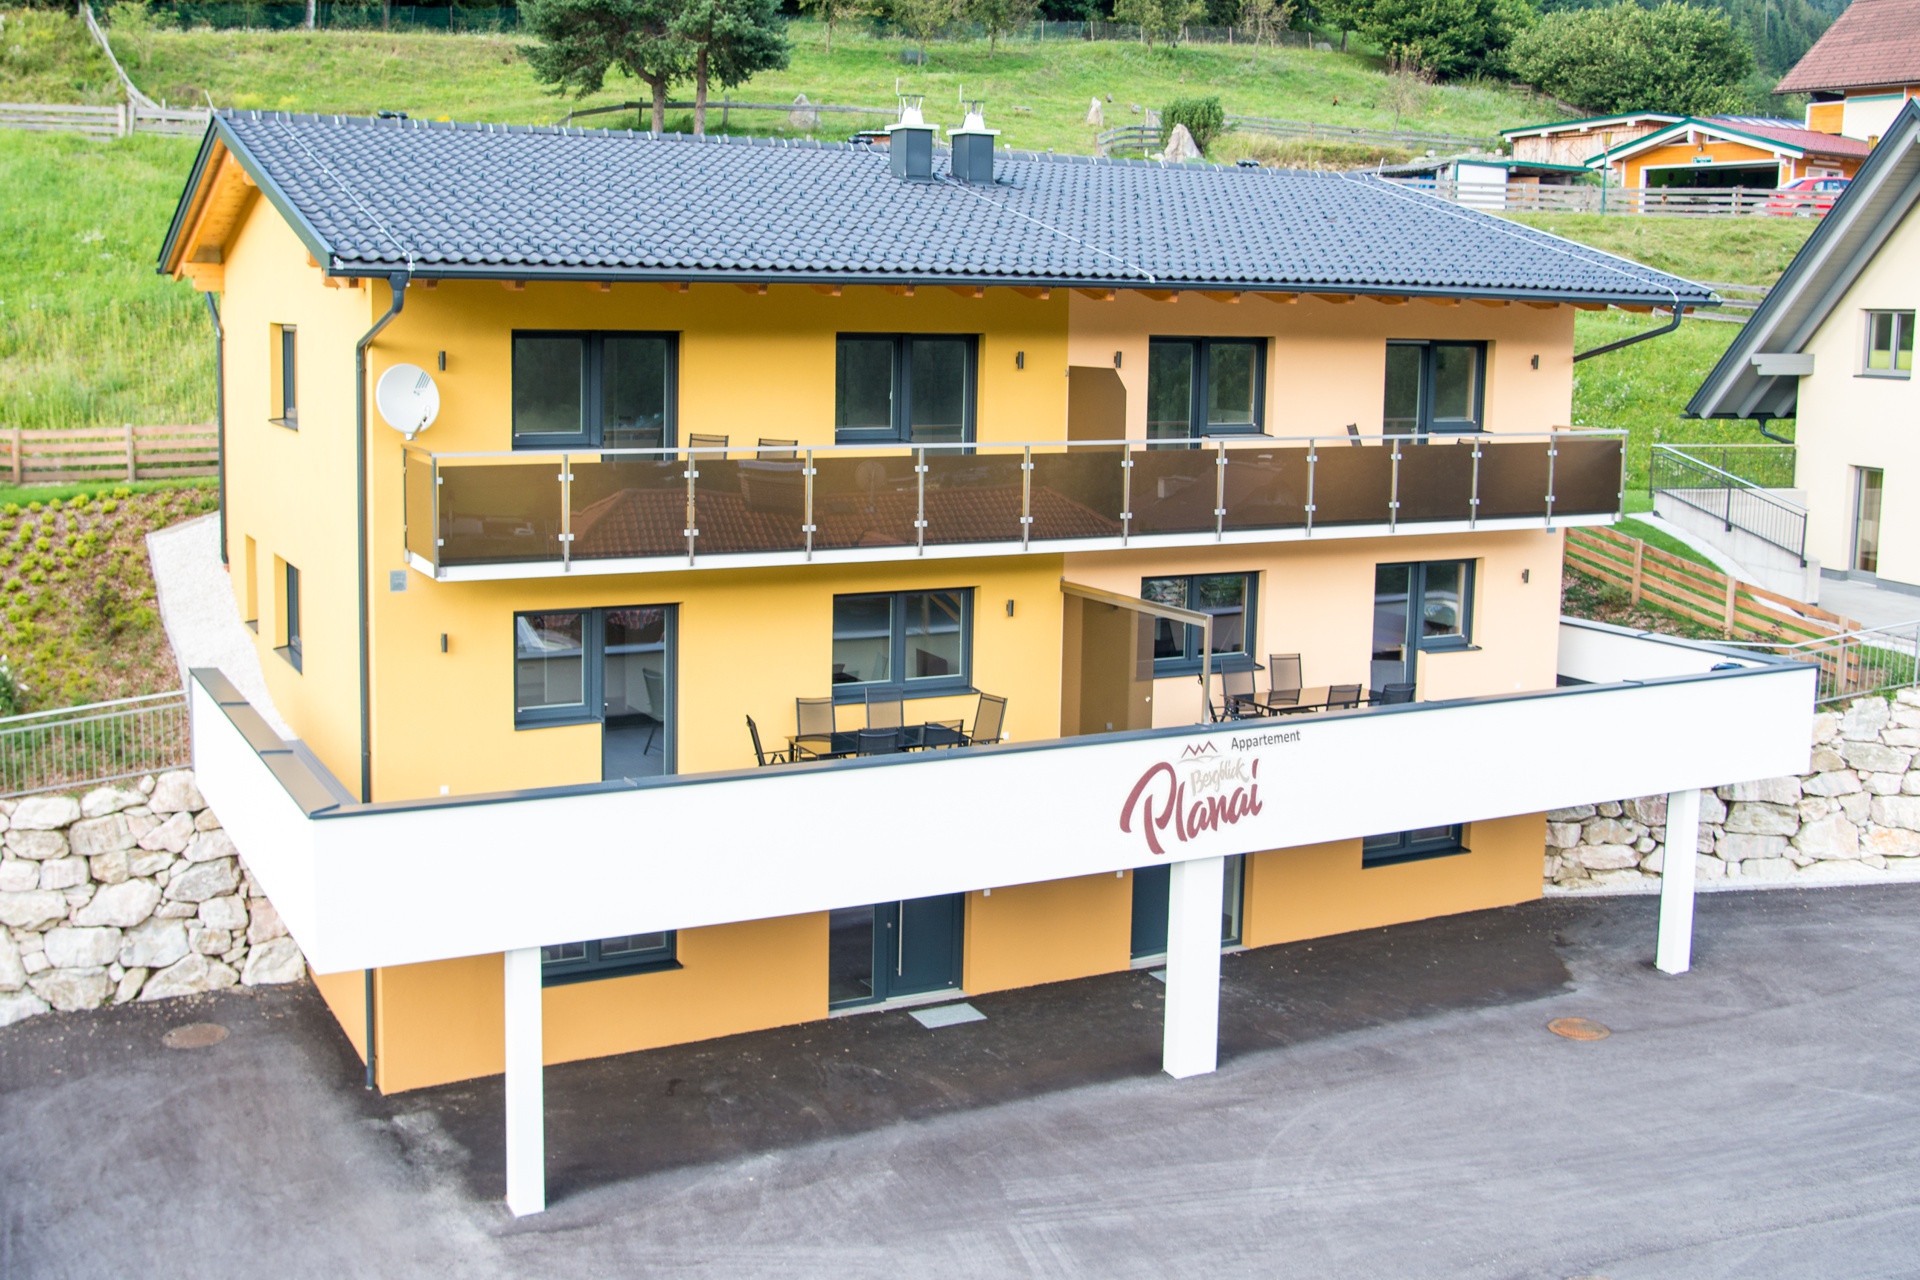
(1284, 702)
(846, 742)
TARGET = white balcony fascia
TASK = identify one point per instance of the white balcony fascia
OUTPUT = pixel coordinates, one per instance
(971, 550)
(362, 886)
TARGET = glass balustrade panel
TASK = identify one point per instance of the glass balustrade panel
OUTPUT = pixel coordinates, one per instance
(1352, 484)
(974, 495)
(418, 487)
(750, 500)
(1174, 490)
(1077, 492)
(864, 500)
(1513, 478)
(1586, 476)
(629, 506)
(1436, 478)
(1267, 486)
(494, 512)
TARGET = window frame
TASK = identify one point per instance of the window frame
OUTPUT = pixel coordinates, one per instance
(592, 375)
(593, 694)
(592, 966)
(1189, 662)
(1408, 849)
(294, 650)
(1424, 422)
(1903, 322)
(901, 430)
(1197, 426)
(1416, 607)
(285, 394)
(855, 691)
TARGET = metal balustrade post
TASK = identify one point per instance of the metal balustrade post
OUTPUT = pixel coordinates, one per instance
(693, 475)
(1313, 456)
(1126, 493)
(920, 509)
(438, 525)
(1473, 495)
(1553, 438)
(566, 513)
(1393, 493)
(807, 519)
(1026, 496)
(1220, 491)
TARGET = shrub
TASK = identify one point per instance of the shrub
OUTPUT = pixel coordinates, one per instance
(108, 506)
(1205, 119)
(13, 694)
(1675, 58)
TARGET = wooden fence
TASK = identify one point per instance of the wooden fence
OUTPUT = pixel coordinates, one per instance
(1673, 202)
(118, 121)
(1145, 136)
(1739, 609)
(30, 457)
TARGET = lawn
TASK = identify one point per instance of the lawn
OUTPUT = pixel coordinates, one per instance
(1729, 250)
(1036, 94)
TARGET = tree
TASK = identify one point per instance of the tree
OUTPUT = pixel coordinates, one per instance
(1441, 38)
(922, 20)
(1676, 58)
(1000, 17)
(729, 40)
(1265, 19)
(1163, 18)
(581, 40)
(832, 12)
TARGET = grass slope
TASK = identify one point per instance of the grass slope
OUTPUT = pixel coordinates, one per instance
(89, 334)
(1735, 250)
(483, 77)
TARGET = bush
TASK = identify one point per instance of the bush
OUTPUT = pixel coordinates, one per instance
(1205, 119)
(1674, 58)
(1438, 38)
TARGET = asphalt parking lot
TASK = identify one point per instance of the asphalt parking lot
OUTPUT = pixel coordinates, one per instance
(1389, 1103)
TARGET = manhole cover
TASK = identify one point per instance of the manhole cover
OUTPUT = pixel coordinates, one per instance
(1578, 1029)
(195, 1035)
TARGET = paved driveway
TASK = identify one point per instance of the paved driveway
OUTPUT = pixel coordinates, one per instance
(1389, 1104)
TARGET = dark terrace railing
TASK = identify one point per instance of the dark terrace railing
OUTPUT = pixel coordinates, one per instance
(1739, 501)
(703, 505)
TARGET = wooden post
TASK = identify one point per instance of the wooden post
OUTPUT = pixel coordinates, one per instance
(19, 460)
(126, 119)
(1639, 563)
(1733, 585)
(130, 460)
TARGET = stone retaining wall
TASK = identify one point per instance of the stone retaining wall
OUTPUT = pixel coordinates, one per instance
(1855, 816)
(128, 893)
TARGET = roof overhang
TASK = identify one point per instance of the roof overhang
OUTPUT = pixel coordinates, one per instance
(1687, 129)
(1587, 125)
(1867, 213)
(221, 189)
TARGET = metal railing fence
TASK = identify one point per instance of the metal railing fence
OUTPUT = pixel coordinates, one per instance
(1738, 502)
(792, 502)
(1855, 664)
(70, 748)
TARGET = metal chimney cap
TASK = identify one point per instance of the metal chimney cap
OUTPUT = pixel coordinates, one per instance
(976, 122)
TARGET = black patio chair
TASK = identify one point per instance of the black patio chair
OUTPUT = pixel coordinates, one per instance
(879, 742)
(988, 720)
(706, 442)
(1283, 673)
(785, 449)
(760, 753)
(886, 709)
(1342, 696)
(812, 724)
(1388, 695)
(1236, 694)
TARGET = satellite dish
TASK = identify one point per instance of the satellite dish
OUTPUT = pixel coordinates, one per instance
(407, 398)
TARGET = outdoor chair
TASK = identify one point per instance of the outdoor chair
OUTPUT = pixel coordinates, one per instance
(879, 742)
(1283, 673)
(987, 720)
(760, 753)
(1236, 693)
(1353, 430)
(706, 442)
(886, 709)
(1388, 695)
(1342, 696)
(779, 448)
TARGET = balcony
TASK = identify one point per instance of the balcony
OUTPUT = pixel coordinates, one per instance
(478, 516)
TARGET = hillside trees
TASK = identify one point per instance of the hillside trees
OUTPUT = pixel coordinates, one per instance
(728, 40)
(922, 20)
(1000, 17)
(1676, 58)
(1159, 19)
(1442, 38)
(831, 13)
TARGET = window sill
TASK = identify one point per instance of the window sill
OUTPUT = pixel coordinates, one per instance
(1421, 855)
(552, 722)
(290, 655)
(1902, 375)
(596, 975)
(290, 424)
(855, 694)
(1450, 648)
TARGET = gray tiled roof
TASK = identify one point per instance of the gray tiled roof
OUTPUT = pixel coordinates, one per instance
(373, 197)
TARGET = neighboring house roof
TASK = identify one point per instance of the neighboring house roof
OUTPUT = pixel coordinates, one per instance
(1874, 44)
(1590, 123)
(1783, 137)
(1433, 164)
(1883, 193)
(487, 201)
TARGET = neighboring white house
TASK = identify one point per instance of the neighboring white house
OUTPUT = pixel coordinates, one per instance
(1832, 347)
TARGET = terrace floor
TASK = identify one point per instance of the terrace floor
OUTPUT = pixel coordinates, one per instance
(1389, 1103)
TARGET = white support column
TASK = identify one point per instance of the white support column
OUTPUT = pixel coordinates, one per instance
(526, 1085)
(1192, 1044)
(1675, 951)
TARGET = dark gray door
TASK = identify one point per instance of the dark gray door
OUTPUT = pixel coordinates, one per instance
(895, 949)
(636, 683)
(1153, 892)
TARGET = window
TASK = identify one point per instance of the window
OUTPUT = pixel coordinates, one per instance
(1890, 344)
(608, 666)
(1418, 607)
(607, 957)
(1227, 597)
(1410, 846)
(550, 666)
(917, 642)
(1205, 387)
(291, 651)
(286, 412)
(250, 585)
(916, 388)
(1434, 386)
(596, 390)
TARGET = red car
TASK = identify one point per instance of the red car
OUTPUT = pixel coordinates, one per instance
(1806, 197)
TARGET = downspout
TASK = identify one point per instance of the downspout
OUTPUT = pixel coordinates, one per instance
(1679, 314)
(220, 413)
(1760, 425)
(398, 284)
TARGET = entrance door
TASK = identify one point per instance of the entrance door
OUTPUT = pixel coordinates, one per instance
(1153, 894)
(1393, 641)
(1866, 519)
(894, 949)
(637, 692)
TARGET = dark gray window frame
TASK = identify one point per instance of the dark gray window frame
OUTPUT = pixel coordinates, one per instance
(901, 430)
(1188, 664)
(1902, 320)
(591, 966)
(289, 361)
(1376, 851)
(294, 649)
(592, 371)
(1197, 426)
(855, 691)
(1416, 604)
(1424, 426)
(593, 693)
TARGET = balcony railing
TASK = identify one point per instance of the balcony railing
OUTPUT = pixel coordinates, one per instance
(521, 513)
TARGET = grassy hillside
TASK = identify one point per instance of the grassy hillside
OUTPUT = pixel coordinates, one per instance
(483, 77)
(1742, 250)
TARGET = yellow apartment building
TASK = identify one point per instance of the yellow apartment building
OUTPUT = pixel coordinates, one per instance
(719, 584)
